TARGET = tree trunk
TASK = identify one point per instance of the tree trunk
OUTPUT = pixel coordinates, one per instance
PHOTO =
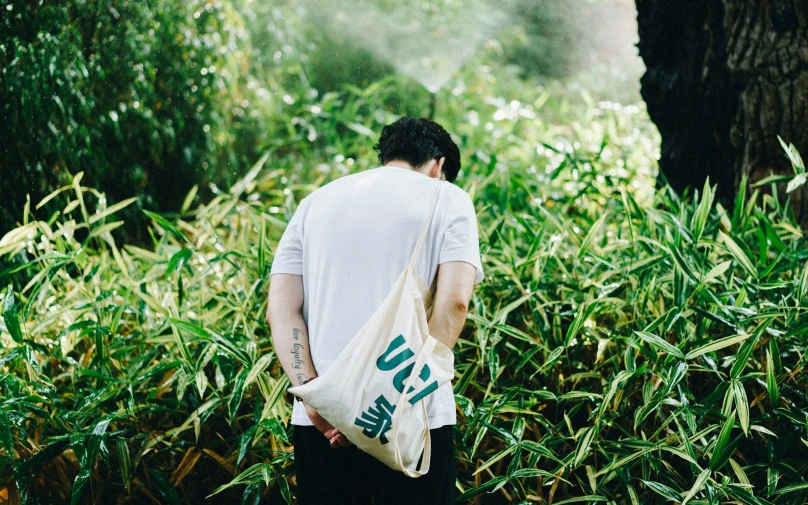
(724, 78)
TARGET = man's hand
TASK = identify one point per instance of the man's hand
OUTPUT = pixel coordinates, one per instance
(333, 435)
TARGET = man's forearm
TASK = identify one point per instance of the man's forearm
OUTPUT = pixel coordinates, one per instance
(291, 340)
(447, 322)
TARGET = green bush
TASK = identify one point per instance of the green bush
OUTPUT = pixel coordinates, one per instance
(629, 345)
(151, 98)
(137, 95)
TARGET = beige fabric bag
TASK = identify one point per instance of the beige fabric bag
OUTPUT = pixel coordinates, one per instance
(374, 392)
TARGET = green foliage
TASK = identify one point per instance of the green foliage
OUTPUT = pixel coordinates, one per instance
(134, 94)
(628, 346)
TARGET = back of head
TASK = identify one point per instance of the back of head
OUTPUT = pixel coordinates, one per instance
(417, 141)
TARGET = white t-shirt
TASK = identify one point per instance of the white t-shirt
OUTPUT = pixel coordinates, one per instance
(352, 238)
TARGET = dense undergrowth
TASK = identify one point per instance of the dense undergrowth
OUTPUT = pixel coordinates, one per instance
(630, 345)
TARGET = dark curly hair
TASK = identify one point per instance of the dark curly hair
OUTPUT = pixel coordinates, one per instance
(416, 141)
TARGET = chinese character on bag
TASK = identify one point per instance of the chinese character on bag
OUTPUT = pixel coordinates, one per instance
(377, 421)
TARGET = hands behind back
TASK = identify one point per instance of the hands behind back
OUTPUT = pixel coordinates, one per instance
(333, 435)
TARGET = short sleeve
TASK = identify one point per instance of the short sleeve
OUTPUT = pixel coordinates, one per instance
(289, 254)
(461, 241)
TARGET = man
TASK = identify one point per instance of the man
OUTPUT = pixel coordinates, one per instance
(340, 255)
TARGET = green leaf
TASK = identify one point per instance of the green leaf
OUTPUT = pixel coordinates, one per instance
(112, 209)
(164, 489)
(262, 247)
(803, 292)
(471, 493)
(771, 379)
(244, 442)
(738, 254)
(740, 201)
(680, 261)
(125, 462)
(590, 236)
(587, 498)
(703, 210)
(582, 450)
(177, 260)
(625, 460)
(6, 437)
(661, 343)
(792, 488)
(166, 225)
(793, 156)
(721, 453)
(189, 198)
(772, 179)
(717, 271)
(742, 357)
(584, 311)
(236, 395)
(697, 486)
(774, 349)
(742, 405)
(744, 496)
(662, 490)
(717, 345)
(274, 426)
(10, 309)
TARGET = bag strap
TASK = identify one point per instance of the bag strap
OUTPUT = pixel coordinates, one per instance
(416, 253)
(401, 405)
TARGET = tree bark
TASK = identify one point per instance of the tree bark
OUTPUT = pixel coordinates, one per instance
(724, 78)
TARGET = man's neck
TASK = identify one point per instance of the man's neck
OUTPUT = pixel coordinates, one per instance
(400, 164)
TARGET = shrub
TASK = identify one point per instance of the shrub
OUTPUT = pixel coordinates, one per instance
(629, 345)
(136, 95)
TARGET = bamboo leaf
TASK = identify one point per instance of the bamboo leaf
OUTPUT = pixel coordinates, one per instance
(738, 254)
(703, 210)
(625, 460)
(582, 451)
(717, 345)
(742, 357)
(166, 225)
(587, 498)
(792, 488)
(717, 271)
(471, 493)
(496, 458)
(662, 490)
(590, 236)
(721, 453)
(584, 311)
(6, 437)
(10, 310)
(661, 343)
(793, 156)
(742, 405)
(112, 209)
(237, 394)
(697, 486)
(189, 198)
(771, 380)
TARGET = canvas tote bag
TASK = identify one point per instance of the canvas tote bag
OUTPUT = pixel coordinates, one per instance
(374, 392)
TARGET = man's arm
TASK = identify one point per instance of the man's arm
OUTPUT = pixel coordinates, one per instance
(289, 333)
(290, 339)
(452, 296)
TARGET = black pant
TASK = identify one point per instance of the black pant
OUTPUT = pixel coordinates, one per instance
(348, 475)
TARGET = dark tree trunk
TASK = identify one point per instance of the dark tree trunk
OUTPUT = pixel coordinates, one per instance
(723, 79)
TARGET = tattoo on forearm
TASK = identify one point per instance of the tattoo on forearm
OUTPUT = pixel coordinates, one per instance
(297, 363)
